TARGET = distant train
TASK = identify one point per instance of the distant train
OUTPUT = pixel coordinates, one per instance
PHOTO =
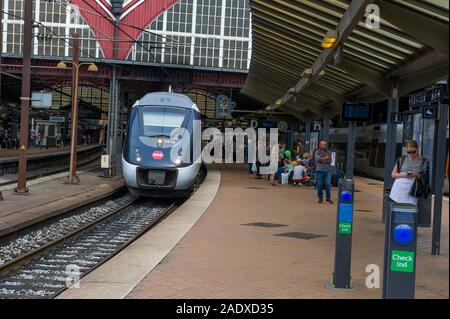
(154, 162)
(370, 148)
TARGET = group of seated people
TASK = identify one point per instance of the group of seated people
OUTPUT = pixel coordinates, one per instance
(295, 169)
(298, 170)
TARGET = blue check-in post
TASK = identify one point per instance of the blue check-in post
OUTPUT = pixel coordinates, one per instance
(352, 113)
(399, 278)
(344, 230)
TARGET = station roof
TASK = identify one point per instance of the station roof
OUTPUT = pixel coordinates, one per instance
(409, 49)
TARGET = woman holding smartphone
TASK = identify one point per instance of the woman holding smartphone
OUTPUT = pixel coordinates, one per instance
(406, 169)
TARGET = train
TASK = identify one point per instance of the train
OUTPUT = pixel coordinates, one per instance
(370, 149)
(157, 157)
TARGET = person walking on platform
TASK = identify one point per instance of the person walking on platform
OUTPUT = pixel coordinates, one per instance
(408, 170)
(322, 159)
(58, 140)
(273, 166)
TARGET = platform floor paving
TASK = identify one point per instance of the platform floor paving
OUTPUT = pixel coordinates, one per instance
(48, 196)
(222, 256)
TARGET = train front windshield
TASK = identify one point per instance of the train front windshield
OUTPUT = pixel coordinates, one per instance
(160, 121)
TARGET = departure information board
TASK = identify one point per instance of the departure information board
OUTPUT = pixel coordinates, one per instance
(356, 112)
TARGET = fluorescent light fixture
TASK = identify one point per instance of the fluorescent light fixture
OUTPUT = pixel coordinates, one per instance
(307, 73)
(330, 39)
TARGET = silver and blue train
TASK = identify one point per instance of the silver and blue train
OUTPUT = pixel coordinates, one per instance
(155, 158)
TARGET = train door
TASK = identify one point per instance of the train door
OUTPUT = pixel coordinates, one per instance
(51, 135)
(373, 153)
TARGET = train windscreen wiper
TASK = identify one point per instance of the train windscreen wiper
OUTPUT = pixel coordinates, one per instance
(159, 135)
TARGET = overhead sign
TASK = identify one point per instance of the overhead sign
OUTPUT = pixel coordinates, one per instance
(57, 119)
(356, 112)
(430, 112)
(430, 95)
(42, 100)
(269, 124)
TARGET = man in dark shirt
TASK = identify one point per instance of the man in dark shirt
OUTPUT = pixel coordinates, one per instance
(323, 172)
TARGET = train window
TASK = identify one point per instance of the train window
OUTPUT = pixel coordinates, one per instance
(162, 120)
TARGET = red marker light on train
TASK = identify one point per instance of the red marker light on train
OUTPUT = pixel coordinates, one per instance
(157, 155)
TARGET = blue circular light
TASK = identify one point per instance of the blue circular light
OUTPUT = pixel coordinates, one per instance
(346, 196)
(403, 234)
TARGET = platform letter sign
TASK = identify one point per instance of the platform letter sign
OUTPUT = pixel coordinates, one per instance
(400, 252)
(396, 118)
(430, 112)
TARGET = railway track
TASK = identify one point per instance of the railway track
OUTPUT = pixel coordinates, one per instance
(39, 265)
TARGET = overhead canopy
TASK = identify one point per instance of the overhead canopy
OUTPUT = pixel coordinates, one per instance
(409, 49)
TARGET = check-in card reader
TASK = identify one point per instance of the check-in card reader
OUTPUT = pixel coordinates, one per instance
(400, 252)
(344, 230)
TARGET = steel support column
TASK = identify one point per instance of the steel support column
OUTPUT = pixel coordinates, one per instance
(113, 145)
(441, 153)
(325, 132)
(350, 150)
(391, 145)
(25, 97)
(307, 137)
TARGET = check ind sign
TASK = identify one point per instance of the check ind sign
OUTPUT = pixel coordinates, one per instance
(345, 218)
(402, 261)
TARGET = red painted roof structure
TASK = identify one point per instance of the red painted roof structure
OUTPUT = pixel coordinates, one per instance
(139, 13)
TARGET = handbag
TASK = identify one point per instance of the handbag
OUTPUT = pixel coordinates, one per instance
(420, 189)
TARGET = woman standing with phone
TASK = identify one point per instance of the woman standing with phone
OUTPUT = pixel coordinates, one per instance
(406, 170)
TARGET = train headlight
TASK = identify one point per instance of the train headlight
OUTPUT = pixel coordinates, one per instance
(160, 142)
(138, 155)
(178, 161)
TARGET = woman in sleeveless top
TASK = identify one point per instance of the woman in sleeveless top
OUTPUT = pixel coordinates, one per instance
(405, 171)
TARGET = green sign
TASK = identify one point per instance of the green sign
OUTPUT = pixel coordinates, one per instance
(344, 228)
(402, 261)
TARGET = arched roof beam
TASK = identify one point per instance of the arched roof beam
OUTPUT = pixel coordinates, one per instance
(366, 75)
(349, 21)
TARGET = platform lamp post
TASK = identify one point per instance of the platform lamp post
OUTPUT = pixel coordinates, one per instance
(73, 178)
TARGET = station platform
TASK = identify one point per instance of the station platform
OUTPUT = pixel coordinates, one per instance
(13, 154)
(237, 237)
(50, 196)
(43, 162)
